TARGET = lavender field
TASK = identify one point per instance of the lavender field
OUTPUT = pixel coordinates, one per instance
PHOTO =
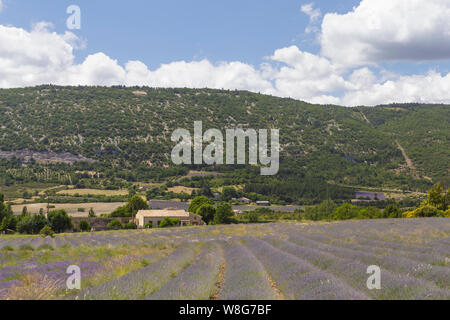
(297, 261)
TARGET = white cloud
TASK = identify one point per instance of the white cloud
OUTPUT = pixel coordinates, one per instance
(387, 30)
(429, 88)
(314, 16)
(198, 74)
(28, 58)
(306, 76)
(41, 56)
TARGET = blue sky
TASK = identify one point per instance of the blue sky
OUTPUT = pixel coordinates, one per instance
(340, 60)
(158, 32)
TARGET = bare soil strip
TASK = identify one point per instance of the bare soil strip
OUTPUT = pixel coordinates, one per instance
(220, 279)
(280, 295)
(409, 162)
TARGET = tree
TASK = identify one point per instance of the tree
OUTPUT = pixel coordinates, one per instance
(228, 193)
(91, 213)
(224, 213)
(8, 222)
(136, 203)
(153, 193)
(2, 207)
(207, 211)
(84, 226)
(169, 222)
(59, 221)
(31, 224)
(24, 210)
(198, 202)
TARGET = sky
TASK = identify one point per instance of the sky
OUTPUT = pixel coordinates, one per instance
(348, 52)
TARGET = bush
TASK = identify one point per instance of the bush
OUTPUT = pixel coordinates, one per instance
(148, 225)
(46, 247)
(26, 247)
(323, 211)
(169, 222)
(115, 224)
(252, 217)
(424, 212)
(130, 226)
(47, 232)
(7, 248)
(31, 224)
(392, 211)
(346, 212)
(59, 221)
(84, 226)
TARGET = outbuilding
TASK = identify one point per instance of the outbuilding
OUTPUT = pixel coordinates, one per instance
(156, 216)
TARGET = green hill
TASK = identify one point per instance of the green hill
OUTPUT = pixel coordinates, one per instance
(125, 132)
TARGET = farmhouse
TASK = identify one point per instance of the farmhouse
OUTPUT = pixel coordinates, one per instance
(156, 216)
(245, 200)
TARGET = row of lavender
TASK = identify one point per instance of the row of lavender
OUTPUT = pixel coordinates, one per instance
(394, 230)
(280, 261)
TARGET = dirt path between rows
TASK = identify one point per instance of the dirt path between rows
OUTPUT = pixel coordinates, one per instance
(280, 295)
(220, 279)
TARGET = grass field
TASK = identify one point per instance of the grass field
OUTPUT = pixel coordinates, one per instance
(294, 261)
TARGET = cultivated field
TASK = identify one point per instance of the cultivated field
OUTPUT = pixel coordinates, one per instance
(94, 192)
(181, 189)
(266, 261)
(71, 208)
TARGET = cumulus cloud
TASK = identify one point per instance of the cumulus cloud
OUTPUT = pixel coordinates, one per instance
(386, 30)
(306, 76)
(41, 56)
(429, 88)
(38, 56)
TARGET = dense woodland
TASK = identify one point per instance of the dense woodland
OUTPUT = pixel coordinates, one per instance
(125, 132)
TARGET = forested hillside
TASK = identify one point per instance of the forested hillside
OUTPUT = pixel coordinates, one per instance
(125, 133)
